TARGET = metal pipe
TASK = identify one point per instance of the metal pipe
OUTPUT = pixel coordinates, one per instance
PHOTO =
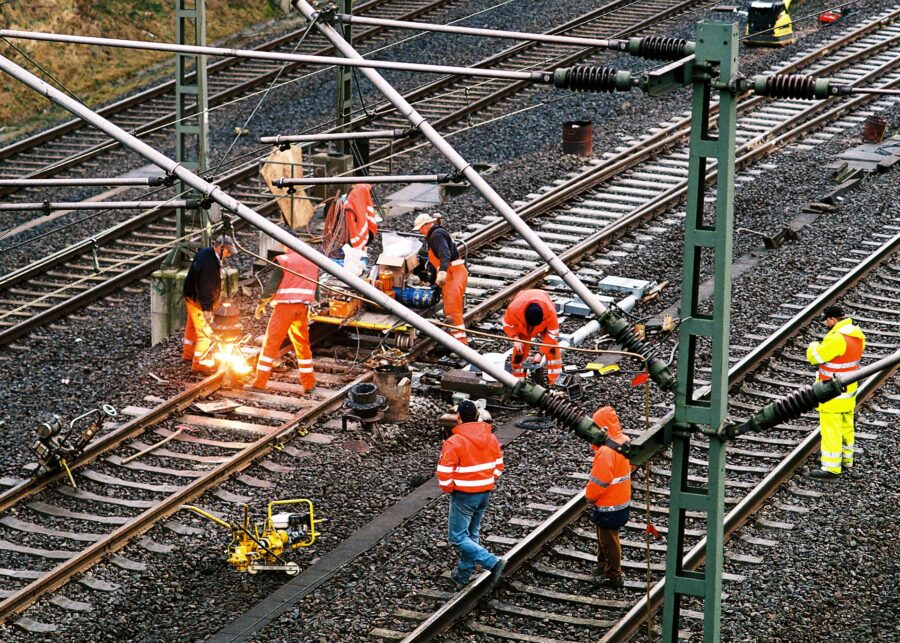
(491, 33)
(215, 193)
(620, 330)
(545, 77)
(97, 205)
(342, 180)
(151, 181)
(336, 136)
(891, 361)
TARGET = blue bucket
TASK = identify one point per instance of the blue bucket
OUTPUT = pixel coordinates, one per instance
(415, 296)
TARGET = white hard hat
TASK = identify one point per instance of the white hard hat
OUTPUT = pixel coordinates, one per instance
(422, 219)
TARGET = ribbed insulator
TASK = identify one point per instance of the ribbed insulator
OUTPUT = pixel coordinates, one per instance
(558, 407)
(591, 79)
(662, 48)
(791, 86)
(795, 404)
(632, 343)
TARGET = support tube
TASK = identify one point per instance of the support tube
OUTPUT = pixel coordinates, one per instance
(342, 180)
(556, 406)
(615, 326)
(336, 136)
(146, 181)
(97, 205)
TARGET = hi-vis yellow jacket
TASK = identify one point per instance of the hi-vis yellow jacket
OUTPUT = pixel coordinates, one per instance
(838, 353)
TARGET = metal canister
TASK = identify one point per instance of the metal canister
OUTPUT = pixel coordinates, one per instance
(415, 296)
(873, 129)
(395, 383)
(578, 138)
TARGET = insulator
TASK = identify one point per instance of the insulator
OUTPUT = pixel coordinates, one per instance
(585, 78)
(661, 48)
(556, 406)
(791, 86)
(794, 404)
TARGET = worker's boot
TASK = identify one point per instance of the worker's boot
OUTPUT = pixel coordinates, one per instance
(614, 583)
(822, 474)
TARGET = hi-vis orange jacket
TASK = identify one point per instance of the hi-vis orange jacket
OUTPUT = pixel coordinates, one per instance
(515, 326)
(471, 460)
(359, 212)
(293, 289)
(609, 487)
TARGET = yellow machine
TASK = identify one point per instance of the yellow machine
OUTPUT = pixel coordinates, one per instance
(252, 551)
(769, 25)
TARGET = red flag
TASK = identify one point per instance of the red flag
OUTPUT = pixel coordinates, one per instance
(640, 378)
(653, 531)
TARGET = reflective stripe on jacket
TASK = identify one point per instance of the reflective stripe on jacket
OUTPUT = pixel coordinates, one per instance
(359, 213)
(471, 459)
(609, 485)
(839, 353)
(294, 289)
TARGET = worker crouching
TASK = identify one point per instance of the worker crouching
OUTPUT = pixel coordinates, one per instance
(291, 289)
(532, 314)
(471, 461)
(608, 491)
(202, 291)
(450, 271)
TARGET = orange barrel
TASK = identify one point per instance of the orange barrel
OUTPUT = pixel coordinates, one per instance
(578, 138)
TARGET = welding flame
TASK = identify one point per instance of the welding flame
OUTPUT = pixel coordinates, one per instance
(230, 358)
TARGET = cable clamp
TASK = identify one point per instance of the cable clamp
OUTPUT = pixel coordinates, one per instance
(170, 178)
(45, 206)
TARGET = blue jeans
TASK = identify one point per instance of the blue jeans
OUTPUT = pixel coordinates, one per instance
(466, 512)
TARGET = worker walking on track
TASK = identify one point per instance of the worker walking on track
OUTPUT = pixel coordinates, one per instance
(451, 274)
(471, 461)
(532, 314)
(359, 214)
(291, 288)
(608, 491)
(839, 353)
(202, 291)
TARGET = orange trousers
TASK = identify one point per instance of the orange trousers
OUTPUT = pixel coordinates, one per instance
(290, 320)
(197, 335)
(554, 359)
(453, 291)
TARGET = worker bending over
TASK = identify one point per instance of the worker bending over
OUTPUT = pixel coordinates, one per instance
(291, 289)
(532, 314)
(471, 461)
(359, 215)
(451, 274)
(202, 291)
(608, 491)
(839, 353)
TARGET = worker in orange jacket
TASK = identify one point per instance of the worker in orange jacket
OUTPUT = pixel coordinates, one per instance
(450, 271)
(471, 461)
(359, 214)
(608, 491)
(291, 288)
(533, 314)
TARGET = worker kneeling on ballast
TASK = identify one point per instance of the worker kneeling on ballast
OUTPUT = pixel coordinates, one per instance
(532, 314)
(291, 289)
(450, 271)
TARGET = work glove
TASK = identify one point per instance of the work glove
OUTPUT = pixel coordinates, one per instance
(518, 353)
(261, 308)
(441, 278)
(537, 359)
(208, 316)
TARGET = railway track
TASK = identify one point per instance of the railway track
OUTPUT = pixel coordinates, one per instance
(550, 557)
(642, 180)
(70, 148)
(30, 299)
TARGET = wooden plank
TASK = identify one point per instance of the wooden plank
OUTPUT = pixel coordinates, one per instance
(268, 399)
(233, 425)
(185, 437)
(569, 598)
(517, 610)
(512, 636)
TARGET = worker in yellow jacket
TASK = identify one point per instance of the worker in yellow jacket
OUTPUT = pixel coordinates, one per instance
(839, 353)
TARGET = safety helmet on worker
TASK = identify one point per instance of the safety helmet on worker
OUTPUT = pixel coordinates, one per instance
(424, 219)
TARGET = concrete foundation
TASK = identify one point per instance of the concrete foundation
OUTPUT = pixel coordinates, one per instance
(167, 313)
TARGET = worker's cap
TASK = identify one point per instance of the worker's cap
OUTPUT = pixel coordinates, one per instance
(467, 411)
(534, 315)
(227, 243)
(833, 311)
(423, 219)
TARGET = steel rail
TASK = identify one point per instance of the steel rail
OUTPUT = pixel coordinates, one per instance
(27, 488)
(168, 87)
(60, 574)
(465, 600)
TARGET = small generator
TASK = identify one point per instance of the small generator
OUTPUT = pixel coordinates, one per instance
(769, 25)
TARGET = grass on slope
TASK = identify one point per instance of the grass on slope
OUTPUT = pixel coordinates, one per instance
(95, 74)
